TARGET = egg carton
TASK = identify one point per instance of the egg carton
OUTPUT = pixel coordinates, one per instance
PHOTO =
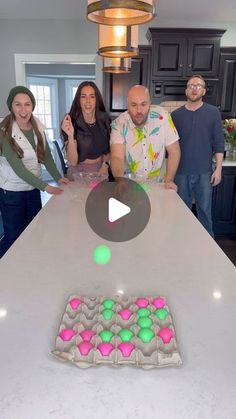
(117, 331)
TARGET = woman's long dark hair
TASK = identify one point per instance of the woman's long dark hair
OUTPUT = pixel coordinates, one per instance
(6, 130)
(76, 111)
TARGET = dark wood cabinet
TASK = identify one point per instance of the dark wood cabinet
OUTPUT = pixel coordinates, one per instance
(224, 204)
(184, 52)
(164, 90)
(227, 82)
(116, 86)
(165, 66)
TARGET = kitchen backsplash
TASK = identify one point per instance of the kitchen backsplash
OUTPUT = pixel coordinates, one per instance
(170, 105)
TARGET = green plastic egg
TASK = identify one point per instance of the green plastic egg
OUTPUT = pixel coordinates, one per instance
(125, 335)
(161, 313)
(144, 322)
(143, 312)
(106, 335)
(146, 335)
(108, 304)
(107, 314)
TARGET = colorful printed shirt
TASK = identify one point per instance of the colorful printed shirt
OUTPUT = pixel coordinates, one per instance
(145, 147)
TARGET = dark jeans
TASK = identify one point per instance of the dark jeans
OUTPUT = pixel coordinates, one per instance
(198, 187)
(18, 210)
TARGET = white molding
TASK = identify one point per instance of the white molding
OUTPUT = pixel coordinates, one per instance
(22, 59)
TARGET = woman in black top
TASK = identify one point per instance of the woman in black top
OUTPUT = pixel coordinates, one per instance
(86, 132)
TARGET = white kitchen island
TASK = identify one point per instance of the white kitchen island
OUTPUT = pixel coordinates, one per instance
(174, 257)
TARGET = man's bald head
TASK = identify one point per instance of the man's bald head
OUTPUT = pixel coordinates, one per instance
(138, 104)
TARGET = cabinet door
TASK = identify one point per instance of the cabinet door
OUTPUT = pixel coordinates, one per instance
(224, 204)
(203, 56)
(168, 57)
(116, 86)
(174, 90)
(227, 83)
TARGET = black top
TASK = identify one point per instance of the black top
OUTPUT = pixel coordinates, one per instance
(92, 139)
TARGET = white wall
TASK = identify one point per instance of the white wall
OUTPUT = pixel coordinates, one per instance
(40, 37)
(63, 37)
(227, 40)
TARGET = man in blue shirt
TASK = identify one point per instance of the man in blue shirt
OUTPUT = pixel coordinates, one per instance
(201, 137)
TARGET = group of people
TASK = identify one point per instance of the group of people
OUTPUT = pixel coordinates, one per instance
(175, 149)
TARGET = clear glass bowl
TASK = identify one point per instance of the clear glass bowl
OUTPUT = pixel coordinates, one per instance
(87, 178)
(141, 178)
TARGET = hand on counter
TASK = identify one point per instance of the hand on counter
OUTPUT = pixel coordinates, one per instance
(53, 190)
(171, 185)
(64, 181)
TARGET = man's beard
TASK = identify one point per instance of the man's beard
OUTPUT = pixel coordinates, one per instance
(194, 98)
(140, 124)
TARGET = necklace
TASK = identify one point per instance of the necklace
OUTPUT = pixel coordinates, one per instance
(92, 124)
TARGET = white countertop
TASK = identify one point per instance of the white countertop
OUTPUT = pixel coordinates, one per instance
(174, 257)
(227, 162)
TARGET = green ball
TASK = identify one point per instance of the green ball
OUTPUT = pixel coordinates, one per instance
(107, 314)
(106, 335)
(161, 313)
(108, 303)
(102, 255)
(143, 312)
(126, 335)
(146, 335)
(144, 322)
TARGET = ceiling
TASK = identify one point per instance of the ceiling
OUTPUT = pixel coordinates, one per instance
(168, 10)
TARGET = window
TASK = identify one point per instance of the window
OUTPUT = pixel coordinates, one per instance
(46, 109)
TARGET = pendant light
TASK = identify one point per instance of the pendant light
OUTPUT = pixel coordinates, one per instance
(116, 65)
(117, 41)
(121, 12)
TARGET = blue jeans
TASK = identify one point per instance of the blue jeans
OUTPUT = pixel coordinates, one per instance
(198, 187)
(18, 210)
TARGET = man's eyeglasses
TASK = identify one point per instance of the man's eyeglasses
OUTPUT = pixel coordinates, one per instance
(197, 86)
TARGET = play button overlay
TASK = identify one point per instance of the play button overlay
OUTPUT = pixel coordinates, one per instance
(118, 211)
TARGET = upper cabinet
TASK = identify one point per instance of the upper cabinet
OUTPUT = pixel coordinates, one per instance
(166, 64)
(184, 52)
(227, 82)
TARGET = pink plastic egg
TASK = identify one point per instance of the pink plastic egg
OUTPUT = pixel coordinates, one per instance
(125, 313)
(87, 335)
(75, 303)
(84, 348)
(142, 302)
(67, 334)
(105, 348)
(166, 334)
(159, 302)
(126, 348)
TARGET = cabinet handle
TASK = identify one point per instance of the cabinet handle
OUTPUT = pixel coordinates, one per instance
(181, 65)
(190, 65)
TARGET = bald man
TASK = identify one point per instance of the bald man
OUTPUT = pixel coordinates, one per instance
(140, 137)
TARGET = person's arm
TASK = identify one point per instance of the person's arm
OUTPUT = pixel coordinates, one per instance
(19, 168)
(218, 149)
(117, 160)
(216, 175)
(105, 164)
(50, 164)
(172, 164)
(71, 143)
